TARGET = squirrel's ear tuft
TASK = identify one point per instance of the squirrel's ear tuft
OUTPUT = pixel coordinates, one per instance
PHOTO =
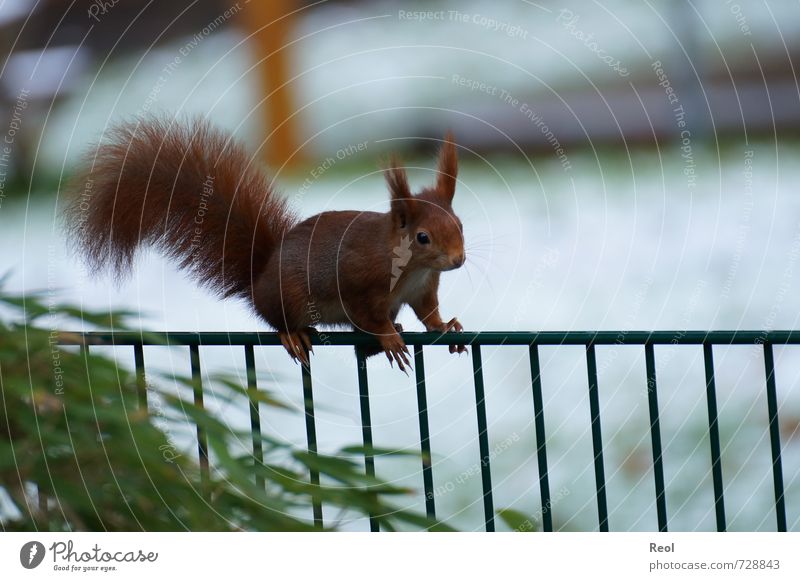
(402, 201)
(448, 168)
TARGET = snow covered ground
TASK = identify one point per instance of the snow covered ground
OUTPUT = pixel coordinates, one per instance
(615, 243)
(640, 239)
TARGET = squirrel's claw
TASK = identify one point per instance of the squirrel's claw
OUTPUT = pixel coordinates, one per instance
(454, 325)
(396, 351)
(288, 346)
(306, 339)
(296, 344)
(404, 357)
(399, 357)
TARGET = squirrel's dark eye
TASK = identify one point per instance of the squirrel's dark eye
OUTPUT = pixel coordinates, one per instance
(423, 238)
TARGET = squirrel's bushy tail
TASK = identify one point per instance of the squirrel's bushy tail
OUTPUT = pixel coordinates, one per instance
(184, 188)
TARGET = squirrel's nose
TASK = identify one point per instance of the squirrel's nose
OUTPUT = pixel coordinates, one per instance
(458, 261)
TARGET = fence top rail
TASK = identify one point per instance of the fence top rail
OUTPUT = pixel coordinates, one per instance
(349, 338)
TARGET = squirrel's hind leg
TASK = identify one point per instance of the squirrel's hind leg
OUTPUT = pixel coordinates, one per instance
(372, 350)
(392, 345)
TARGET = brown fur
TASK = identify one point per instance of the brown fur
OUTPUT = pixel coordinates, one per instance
(148, 185)
(145, 186)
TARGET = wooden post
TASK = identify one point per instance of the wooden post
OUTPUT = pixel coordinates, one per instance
(269, 24)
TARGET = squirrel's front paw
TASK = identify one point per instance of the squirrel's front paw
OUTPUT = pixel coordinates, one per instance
(396, 350)
(453, 325)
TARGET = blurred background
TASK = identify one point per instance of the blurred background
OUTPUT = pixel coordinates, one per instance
(624, 165)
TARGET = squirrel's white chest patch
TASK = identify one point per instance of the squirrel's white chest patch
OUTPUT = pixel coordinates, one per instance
(409, 285)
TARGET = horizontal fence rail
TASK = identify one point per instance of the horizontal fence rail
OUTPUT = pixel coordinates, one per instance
(648, 339)
(465, 337)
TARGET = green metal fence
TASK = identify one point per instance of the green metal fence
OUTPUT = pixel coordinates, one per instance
(766, 340)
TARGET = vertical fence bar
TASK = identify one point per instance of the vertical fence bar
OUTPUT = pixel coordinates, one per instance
(713, 433)
(483, 437)
(366, 425)
(597, 438)
(655, 436)
(202, 443)
(541, 448)
(775, 437)
(255, 410)
(141, 380)
(311, 435)
(424, 433)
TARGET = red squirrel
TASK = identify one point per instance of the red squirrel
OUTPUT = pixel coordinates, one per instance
(192, 192)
